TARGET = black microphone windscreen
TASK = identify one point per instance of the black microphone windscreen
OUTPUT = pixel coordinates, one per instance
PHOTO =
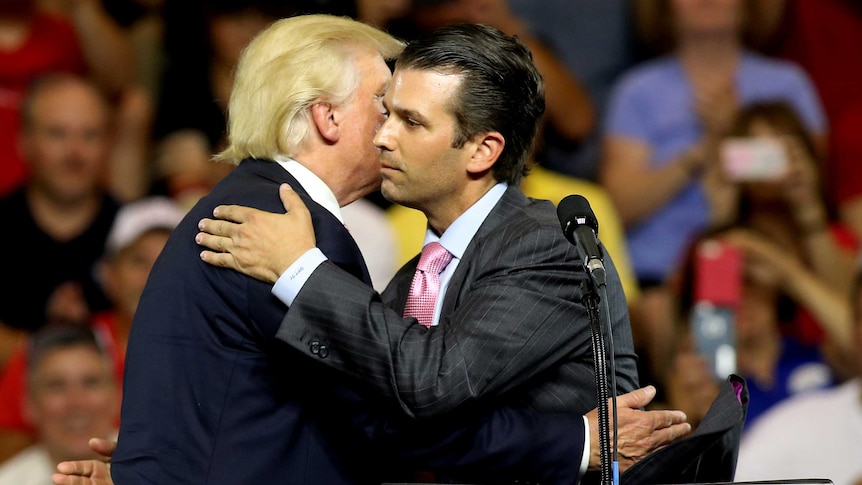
(575, 209)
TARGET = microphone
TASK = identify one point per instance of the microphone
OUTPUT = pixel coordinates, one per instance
(580, 227)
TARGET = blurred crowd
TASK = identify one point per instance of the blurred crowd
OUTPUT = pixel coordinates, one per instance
(716, 141)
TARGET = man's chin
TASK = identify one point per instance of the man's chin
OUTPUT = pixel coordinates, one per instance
(387, 192)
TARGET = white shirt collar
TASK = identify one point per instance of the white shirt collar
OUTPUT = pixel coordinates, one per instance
(459, 234)
(316, 188)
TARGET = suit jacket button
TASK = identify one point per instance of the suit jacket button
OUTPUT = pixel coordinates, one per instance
(314, 346)
(323, 352)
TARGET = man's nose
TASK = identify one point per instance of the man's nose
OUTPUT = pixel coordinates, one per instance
(383, 139)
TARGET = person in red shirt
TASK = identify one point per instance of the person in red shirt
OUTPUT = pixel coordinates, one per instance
(33, 43)
(77, 37)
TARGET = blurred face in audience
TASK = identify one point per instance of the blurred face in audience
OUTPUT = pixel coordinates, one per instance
(126, 273)
(707, 17)
(72, 398)
(66, 140)
(230, 32)
(801, 173)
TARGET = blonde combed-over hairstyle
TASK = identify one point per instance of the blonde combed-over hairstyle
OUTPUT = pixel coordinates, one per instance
(293, 64)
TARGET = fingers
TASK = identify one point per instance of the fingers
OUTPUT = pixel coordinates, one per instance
(637, 398)
(83, 472)
(103, 447)
(223, 260)
(229, 220)
(640, 432)
(289, 198)
(665, 436)
(238, 214)
(60, 479)
(633, 451)
(258, 243)
(80, 468)
(215, 237)
(232, 213)
(643, 432)
(212, 242)
(666, 418)
(219, 228)
(216, 252)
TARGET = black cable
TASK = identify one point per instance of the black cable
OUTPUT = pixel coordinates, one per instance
(612, 387)
(591, 301)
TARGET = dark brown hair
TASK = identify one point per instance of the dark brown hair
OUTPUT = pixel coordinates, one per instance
(654, 24)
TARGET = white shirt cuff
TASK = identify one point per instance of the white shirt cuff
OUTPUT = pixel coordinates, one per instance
(294, 277)
(585, 459)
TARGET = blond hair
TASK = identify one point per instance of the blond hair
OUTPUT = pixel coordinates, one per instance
(287, 68)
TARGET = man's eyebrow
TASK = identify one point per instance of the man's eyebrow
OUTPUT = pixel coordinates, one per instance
(406, 113)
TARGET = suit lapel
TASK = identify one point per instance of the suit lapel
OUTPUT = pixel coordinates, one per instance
(511, 203)
(395, 296)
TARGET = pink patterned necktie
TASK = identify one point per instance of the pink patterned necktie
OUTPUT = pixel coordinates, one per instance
(426, 283)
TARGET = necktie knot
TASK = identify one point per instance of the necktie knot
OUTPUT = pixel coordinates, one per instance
(434, 258)
(425, 288)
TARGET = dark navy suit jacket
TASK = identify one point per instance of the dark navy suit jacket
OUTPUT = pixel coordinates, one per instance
(212, 397)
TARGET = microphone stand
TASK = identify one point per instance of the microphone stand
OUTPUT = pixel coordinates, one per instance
(595, 292)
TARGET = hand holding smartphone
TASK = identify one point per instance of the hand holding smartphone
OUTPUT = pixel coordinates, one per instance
(717, 294)
(750, 159)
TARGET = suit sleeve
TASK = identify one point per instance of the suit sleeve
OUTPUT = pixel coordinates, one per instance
(517, 315)
(496, 446)
(504, 444)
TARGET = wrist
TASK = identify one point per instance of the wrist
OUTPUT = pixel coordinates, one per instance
(591, 459)
(690, 163)
(812, 221)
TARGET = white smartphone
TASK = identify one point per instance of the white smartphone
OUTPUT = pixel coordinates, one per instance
(749, 159)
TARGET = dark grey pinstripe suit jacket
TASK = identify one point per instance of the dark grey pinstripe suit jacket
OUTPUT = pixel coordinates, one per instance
(512, 329)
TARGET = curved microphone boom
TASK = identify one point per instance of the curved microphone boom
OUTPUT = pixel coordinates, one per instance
(581, 227)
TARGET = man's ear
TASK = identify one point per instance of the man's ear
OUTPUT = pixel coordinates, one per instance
(488, 147)
(326, 120)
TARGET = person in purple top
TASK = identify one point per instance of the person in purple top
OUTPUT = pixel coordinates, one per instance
(662, 128)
